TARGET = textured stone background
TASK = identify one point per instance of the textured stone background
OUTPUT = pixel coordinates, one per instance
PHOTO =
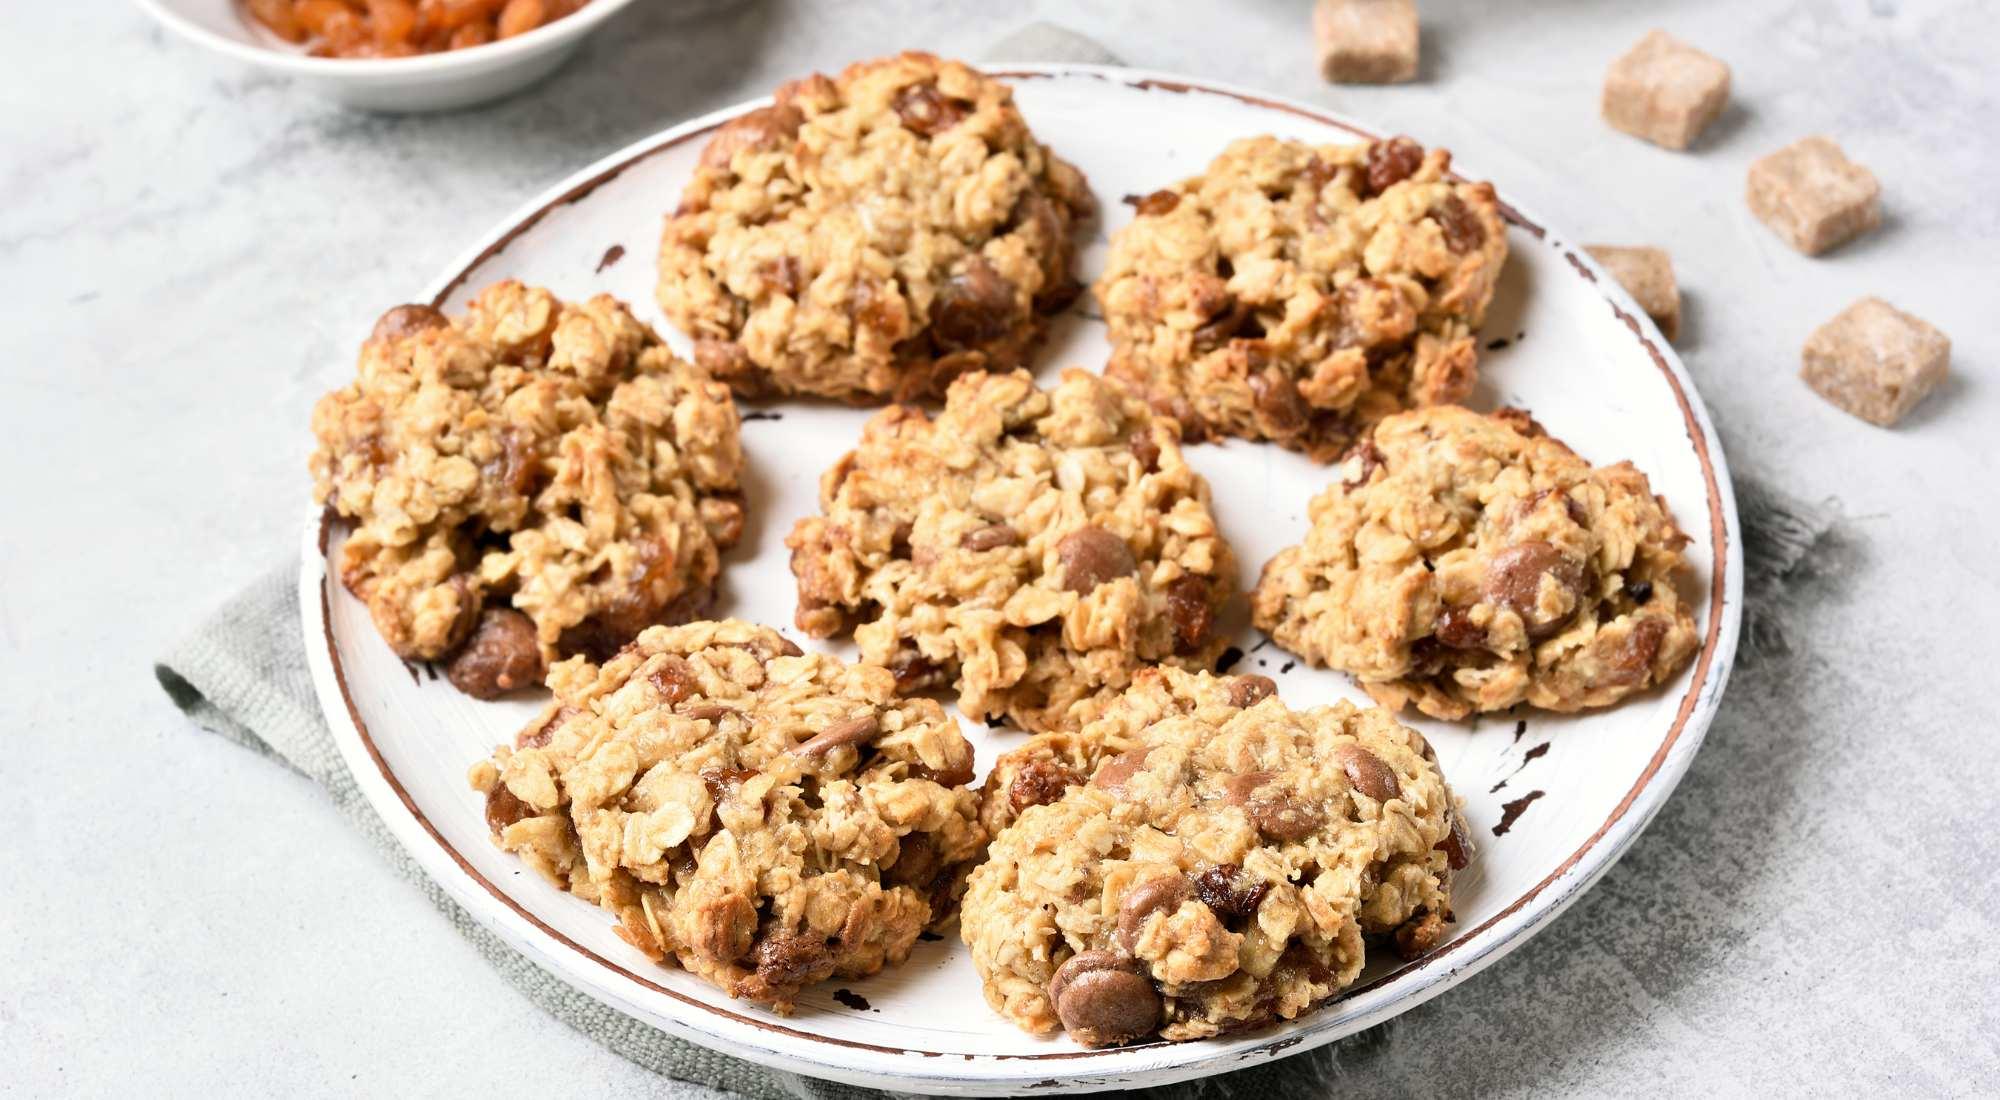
(185, 251)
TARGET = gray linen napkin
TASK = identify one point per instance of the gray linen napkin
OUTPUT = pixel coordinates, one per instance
(243, 675)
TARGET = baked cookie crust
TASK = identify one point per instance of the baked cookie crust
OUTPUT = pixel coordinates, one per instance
(1033, 547)
(1224, 866)
(531, 480)
(1299, 293)
(871, 236)
(1467, 563)
(762, 817)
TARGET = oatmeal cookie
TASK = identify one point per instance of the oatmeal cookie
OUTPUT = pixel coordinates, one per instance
(1226, 869)
(872, 236)
(1034, 547)
(1047, 765)
(1300, 293)
(762, 817)
(1468, 563)
(532, 480)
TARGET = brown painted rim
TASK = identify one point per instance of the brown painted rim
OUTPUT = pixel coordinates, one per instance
(1720, 517)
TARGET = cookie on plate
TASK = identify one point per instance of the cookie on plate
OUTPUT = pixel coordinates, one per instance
(871, 236)
(1467, 563)
(1227, 869)
(1044, 768)
(531, 480)
(762, 817)
(1035, 548)
(1299, 293)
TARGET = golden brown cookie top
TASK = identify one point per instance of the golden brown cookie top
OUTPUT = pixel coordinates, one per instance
(1034, 547)
(871, 236)
(1221, 870)
(1299, 293)
(530, 458)
(1046, 766)
(1466, 562)
(766, 818)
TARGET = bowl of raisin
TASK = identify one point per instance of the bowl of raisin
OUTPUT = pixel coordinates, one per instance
(394, 55)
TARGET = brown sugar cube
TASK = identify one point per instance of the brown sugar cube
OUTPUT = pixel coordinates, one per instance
(1875, 361)
(1366, 41)
(1810, 194)
(1647, 274)
(1665, 91)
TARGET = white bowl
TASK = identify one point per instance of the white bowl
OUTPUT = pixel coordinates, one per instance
(429, 82)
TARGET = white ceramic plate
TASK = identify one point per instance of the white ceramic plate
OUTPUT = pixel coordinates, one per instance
(431, 82)
(1552, 800)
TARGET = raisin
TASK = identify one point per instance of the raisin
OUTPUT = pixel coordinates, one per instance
(503, 809)
(1224, 889)
(1634, 660)
(1040, 783)
(927, 111)
(1190, 613)
(1144, 449)
(1371, 460)
(915, 672)
(674, 680)
(763, 128)
(1463, 231)
(1249, 690)
(1155, 204)
(1390, 163)
(501, 656)
(787, 960)
(974, 307)
(1234, 319)
(1455, 628)
(1280, 407)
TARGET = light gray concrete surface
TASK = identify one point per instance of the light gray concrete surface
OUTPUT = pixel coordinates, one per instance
(183, 248)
